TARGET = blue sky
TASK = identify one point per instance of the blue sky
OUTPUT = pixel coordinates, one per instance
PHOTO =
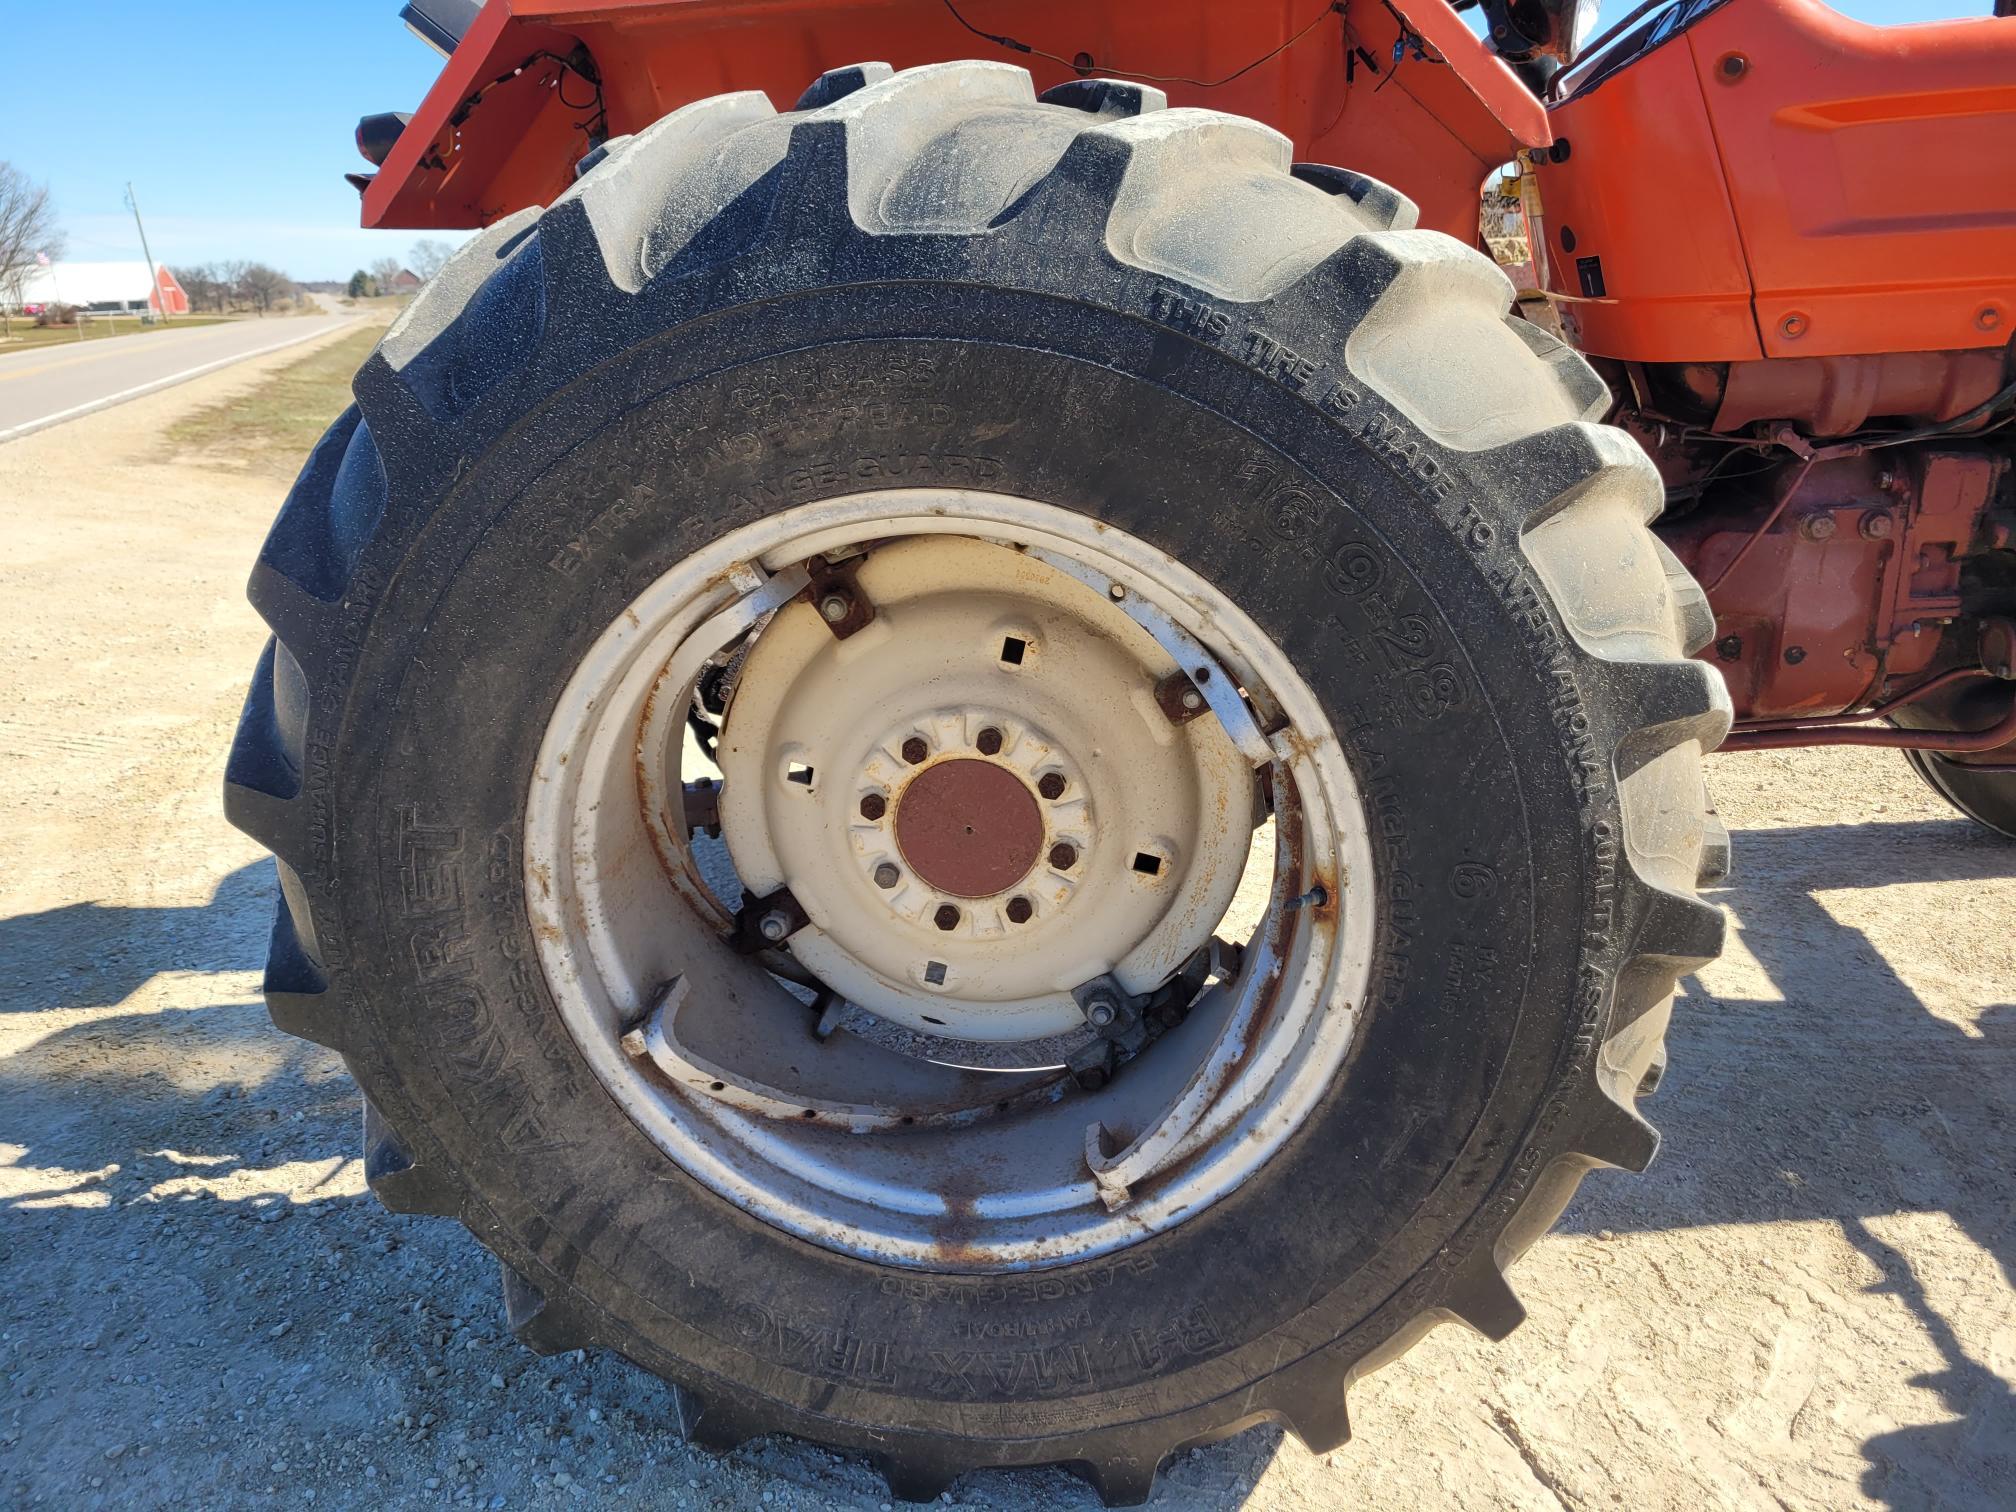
(233, 119)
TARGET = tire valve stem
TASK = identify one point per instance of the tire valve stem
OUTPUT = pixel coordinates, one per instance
(1316, 897)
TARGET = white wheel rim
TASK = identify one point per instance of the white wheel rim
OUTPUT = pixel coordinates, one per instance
(857, 1142)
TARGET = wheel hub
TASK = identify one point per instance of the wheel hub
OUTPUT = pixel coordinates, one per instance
(976, 798)
(969, 827)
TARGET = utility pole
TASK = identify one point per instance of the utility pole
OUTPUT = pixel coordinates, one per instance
(153, 277)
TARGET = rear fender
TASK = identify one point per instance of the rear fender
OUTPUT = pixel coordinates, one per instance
(508, 119)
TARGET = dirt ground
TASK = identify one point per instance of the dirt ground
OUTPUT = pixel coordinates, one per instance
(1806, 1303)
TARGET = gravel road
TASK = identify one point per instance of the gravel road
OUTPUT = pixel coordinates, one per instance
(1807, 1303)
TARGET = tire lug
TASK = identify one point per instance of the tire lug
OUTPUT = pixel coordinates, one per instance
(1051, 785)
(915, 750)
(887, 875)
(989, 741)
(873, 805)
(1063, 856)
(947, 917)
(1019, 910)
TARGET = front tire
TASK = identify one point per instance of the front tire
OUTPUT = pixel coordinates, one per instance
(1141, 321)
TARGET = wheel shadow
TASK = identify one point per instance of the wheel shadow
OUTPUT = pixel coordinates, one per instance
(1844, 1097)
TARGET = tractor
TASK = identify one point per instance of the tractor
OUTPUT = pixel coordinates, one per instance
(988, 756)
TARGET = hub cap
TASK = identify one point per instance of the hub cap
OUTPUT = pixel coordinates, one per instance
(990, 777)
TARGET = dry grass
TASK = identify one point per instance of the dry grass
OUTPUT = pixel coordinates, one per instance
(270, 430)
(29, 337)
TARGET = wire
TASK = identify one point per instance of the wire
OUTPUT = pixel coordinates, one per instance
(1331, 7)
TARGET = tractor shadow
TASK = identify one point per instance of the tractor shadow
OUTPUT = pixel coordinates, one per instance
(1836, 1094)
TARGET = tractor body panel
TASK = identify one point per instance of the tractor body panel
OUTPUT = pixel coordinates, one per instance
(1771, 179)
(505, 123)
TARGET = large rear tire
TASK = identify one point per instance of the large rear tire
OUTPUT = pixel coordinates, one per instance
(1308, 434)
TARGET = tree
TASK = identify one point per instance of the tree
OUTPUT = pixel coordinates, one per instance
(27, 227)
(384, 271)
(263, 285)
(205, 284)
(427, 256)
(362, 285)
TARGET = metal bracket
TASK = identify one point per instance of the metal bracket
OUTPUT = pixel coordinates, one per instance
(765, 923)
(1180, 698)
(834, 592)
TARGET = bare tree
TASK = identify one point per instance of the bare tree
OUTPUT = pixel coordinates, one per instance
(264, 285)
(27, 226)
(231, 276)
(205, 284)
(427, 256)
(385, 270)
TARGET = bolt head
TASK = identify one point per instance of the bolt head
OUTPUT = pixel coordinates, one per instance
(1051, 785)
(1063, 856)
(915, 750)
(1019, 910)
(1101, 1014)
(834, 607)
(873, 805)
(1878, 527)
(887, 875)
(1730, 648)
(988, 741)
(947, 917)
(1192, 699)
(1818, 527)
(773, 926)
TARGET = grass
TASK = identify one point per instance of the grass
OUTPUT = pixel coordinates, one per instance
(29, 337)
(269, 431)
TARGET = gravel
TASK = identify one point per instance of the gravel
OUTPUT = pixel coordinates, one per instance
(1806, 1303)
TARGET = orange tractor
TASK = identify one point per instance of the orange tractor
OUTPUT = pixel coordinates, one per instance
(1003, 773)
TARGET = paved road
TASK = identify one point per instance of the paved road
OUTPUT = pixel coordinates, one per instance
(49, 384)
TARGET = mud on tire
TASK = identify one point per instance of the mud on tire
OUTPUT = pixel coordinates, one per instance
(1149, 316)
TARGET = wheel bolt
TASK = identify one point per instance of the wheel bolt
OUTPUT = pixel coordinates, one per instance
(1019, 910)
(1051, 785)
(989, 741)
(887, 875)
(773, 926)
(834, 607)
(1063, 856)
(1101, 1012)
(873, 805)
(914, 749)
(947, 916)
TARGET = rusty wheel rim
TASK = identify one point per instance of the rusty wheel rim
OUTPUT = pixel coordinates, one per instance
(956, 1027)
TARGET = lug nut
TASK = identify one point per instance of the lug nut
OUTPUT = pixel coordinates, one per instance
(834, 607)
(773, 926)
(914, 749)
(873, 805)
(1817, 527)
(1019, 910)
(947, 916)
(1063, 856)
(1877, 527)
(1051, 785)
(989, 741)
(887, 875)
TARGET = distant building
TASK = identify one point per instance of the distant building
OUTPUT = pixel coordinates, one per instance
(405, 281)
(105, 287)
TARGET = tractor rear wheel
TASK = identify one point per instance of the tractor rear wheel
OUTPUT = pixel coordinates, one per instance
(1209, 797)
